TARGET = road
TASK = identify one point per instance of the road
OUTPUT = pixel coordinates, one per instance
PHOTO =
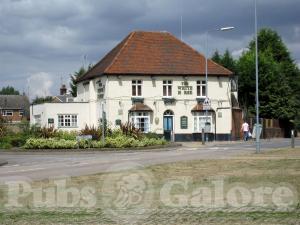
(43, 165)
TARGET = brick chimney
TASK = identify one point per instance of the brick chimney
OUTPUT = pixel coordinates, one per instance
(63, 90)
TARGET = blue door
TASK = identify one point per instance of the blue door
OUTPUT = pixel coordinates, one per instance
(168, 127)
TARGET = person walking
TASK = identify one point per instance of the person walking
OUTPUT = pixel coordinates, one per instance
(245, 129)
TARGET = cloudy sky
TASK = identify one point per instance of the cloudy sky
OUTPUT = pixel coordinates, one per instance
(43, 41)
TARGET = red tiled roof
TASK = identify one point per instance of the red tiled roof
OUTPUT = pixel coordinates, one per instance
(199, 108)
(140, 107)
(153, 53)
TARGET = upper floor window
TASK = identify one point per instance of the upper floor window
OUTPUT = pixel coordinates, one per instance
(101, 89)
(7, 113)
(167, 88)
(67, 120)
(136, 87)
(201, 88)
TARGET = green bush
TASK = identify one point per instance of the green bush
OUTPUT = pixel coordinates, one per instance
(66, 135)
(152, 135)
(120, 141)
(42, 143)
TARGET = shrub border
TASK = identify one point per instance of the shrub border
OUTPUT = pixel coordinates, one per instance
(166, 147)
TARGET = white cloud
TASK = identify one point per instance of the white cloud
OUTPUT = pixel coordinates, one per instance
(237, 53)
(39, 85)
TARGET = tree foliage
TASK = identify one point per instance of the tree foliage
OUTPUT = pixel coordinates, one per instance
(40, 100)
(9, 91)
(279, 78)
(75, 76)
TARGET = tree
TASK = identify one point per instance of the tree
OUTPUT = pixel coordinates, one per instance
(278, 78)
(75, 76)
(40, 100)
(226, 60)
(9, 91)
(217, 57)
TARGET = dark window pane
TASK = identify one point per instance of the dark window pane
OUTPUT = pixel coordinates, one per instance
(203, 91)
(198, 90)
(164, 91)
(139, 90)
(133, 90)
(170, 90)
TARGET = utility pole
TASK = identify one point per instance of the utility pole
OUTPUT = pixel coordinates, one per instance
(256, 84)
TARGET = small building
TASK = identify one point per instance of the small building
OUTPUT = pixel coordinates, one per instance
(155, 81)
(14, 108)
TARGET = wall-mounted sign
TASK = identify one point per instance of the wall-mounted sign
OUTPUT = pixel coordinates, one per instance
(185, 89)
(50, 120)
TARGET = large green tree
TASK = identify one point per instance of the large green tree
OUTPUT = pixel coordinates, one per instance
(9, 91)
(278, 78)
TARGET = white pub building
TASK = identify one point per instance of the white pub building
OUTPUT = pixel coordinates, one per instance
(155, 81)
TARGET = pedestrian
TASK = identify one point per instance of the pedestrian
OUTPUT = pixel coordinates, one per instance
(245, 129)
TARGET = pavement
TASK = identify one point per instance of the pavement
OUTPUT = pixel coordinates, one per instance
(43, 165)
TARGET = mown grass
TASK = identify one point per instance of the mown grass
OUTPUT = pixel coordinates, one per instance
(275, 167)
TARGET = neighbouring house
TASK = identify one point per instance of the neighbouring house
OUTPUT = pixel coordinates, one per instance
(155, 81)
(63, 96)
(14, 108)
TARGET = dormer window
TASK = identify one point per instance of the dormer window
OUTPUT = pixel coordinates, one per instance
(136, 87)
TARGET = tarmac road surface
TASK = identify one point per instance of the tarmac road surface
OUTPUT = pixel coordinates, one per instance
(44, 165)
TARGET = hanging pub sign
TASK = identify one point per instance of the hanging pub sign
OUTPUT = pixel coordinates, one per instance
(185, 89)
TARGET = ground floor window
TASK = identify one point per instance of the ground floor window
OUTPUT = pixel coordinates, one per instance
(203, 121)
(141, 120)
(67, 120)
(7, 113)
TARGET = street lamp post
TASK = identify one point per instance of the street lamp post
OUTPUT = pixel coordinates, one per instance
(206, 69)
(256, 84)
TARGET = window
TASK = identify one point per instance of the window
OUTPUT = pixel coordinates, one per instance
(67, 120)
(141, 120)
(37, 120)
(100, 90)
(136, 88)
(201, 88)
(21, 113)
(183, 122)
(200, 119)
(7, 113)
(167, 88)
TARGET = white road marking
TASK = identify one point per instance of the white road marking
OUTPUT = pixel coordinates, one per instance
(16, 171)
(10, 166)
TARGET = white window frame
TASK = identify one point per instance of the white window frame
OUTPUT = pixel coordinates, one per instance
(67, 120)
(21, 112)
(167, 88)
(135, 85)
(37, 120)
(136, 117)
(202, 85)
(200, 118)
(6, 112)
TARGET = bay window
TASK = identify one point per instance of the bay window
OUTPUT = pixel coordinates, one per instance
(201, 121)
(141, 120)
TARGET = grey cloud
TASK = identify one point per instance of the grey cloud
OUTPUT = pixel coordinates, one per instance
(51, 36)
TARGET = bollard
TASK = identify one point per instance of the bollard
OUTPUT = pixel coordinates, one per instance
(292, 139)
(203, 136)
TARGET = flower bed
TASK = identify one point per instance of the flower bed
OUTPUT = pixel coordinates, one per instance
(110, 142)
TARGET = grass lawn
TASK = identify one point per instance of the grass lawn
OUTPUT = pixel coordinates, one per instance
(271, 169)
